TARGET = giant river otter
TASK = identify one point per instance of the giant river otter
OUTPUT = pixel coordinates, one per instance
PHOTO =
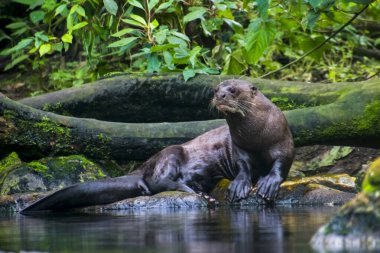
(254, 148)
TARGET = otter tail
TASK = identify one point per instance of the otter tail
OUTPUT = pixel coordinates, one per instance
(99, 192)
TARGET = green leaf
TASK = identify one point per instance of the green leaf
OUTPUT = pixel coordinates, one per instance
(79, 25)
(21, 45)
(36, 16)
(111, 6)
(57, 46)
(16, 61)
(188, 73)
(160, 36)
(315, 3)
(154, 24)
(80, 11)
(123, 42)
(139, 19)
(152, 4)
(136, 4)
(260, 36)
(162, 48)
(194, 54)
(44, 49)
(61, 9)
(26, 2)
(235, 63)
(361, 1)
(68, 38)
(180, 35)
(195, 13)
(262, 8)
(153, 64)
(123, 32)
(132, 22)
(16, 25)
(309, 43)
(41, 36)
(164, 6)
(236, 26)
(178, 41)
(310, 19)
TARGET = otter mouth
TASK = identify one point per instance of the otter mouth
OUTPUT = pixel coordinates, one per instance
(227, 109)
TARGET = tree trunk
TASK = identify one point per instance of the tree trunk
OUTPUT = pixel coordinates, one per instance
(348, 114)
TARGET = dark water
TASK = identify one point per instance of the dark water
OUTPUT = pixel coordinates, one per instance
(201, 230)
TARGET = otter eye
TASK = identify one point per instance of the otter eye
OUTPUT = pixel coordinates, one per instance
(232, 89)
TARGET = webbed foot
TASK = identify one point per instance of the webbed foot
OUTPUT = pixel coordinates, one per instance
(239, 189)
(269, 186)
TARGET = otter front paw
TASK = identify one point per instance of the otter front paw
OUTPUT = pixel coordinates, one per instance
(239, 189)
(268, 186)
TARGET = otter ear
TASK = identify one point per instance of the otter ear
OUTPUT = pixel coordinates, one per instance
(253, 88)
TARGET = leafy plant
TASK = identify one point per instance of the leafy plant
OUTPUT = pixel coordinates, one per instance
(191, 37)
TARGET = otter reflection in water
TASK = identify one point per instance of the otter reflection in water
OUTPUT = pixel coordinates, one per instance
(254, 148)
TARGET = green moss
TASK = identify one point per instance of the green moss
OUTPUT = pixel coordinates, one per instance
(47, 126)
(7, 165)
(286, 104)
(104, 138)
(371, 182)
(73, 167)
(38, 167)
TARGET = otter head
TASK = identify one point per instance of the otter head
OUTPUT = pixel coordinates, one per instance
(234, 97)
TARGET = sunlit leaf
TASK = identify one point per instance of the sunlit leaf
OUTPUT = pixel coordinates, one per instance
(44, 49)
(79, 25)
(139, 19)
(68, 38)
(132, 22)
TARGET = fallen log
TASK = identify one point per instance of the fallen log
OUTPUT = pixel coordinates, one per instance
(352, 118)
(169, 98)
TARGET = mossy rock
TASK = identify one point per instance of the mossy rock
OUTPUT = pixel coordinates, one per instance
(356, 227)
(371, 182)
(49, 173)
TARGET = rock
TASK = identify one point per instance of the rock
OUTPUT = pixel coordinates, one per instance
(315, 190)
(51, 173)
(169, 199)
(356, 227)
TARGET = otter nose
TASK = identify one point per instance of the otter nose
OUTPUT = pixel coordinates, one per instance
(220, 95)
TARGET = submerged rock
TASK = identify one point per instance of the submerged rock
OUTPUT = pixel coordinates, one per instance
(356, 227)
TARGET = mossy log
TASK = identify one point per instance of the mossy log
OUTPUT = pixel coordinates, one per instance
(347, 114)
(168, 98)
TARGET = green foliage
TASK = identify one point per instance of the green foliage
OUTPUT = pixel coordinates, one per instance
(227, 37)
